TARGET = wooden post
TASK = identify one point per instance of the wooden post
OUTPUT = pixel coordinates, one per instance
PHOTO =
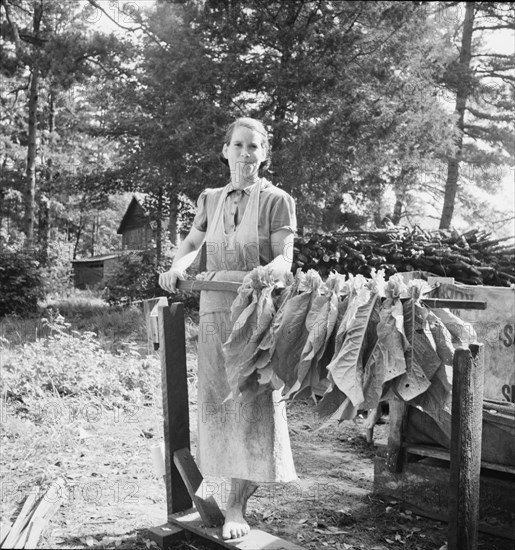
(466, 429)
(151, 324)
(172, 346)
(397, 420)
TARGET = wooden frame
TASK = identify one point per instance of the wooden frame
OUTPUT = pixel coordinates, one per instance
(183, 479)
(187, 510)
(452, 485)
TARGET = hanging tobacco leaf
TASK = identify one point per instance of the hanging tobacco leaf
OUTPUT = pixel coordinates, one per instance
(422, 360)
(462, 332)
(248, 340)
(345, 368)
(442, 338)
(320, 323)
(289, 327)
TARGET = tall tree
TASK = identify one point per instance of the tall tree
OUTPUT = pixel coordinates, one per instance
(166, 116)
(329, 78)
(32, 41)
(483, 82)
(345, 87)
(53, 41)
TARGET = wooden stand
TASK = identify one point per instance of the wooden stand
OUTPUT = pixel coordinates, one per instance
(453, 486)
(187, 509)
(183, 480)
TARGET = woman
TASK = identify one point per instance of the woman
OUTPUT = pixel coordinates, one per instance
(247, 223)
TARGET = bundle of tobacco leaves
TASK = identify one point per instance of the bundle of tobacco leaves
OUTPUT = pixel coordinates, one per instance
(373, 340)
(247, 352)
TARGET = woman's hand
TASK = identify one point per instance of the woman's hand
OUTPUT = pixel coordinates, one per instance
(168, 279)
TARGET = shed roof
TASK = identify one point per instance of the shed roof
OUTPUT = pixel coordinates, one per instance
(136, 203)
(95, 258)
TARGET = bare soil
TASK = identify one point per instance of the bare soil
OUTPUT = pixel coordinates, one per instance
(113, 495)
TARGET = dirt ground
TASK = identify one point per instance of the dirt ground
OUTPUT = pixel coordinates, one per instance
(113, 495)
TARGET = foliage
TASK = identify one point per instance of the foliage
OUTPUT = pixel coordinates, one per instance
(351, 92)
(134, 278)
(57, 271)
(21, 282)
(76, 303)
(86, 310)
(62, 58)
(481, 79)
(71, 363)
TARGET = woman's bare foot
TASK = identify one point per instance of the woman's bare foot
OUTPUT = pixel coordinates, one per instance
(235, 525)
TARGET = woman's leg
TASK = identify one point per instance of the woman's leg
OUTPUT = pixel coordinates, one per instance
(235, 525)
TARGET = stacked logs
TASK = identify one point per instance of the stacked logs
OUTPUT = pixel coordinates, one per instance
(472, 257)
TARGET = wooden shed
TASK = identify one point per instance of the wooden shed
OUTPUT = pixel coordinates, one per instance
(135, 227)
(89, 272)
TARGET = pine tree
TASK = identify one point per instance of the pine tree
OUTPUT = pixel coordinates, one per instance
(483, 84)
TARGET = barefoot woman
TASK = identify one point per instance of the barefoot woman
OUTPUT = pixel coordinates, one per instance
(247, 223)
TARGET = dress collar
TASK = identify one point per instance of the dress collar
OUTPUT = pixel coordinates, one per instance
(249, 188)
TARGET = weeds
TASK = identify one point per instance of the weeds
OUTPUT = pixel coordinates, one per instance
(73, 363)
(82, 405)
(76, 302)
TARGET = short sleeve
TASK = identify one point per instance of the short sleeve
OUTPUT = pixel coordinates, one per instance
(200, 221)
(283, 214)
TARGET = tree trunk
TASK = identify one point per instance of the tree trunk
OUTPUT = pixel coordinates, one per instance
(30, 181)
(44, 202)
(172, 224)
(2, 204)
(403, 183)
(93, 233)
(462, 94)
(400, 199)
(44, 229)
(77, 238)
(51, 113)
(397, 209)
(159, 226)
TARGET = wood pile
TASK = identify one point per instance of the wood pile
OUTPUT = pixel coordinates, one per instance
(471, 258)
(34, 516)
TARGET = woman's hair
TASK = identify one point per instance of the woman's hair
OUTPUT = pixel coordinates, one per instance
(252, 124)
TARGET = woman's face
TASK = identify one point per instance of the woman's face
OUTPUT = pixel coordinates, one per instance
(245, 153)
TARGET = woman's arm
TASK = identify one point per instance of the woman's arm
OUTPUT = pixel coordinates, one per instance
(282, 242)
(185, 256)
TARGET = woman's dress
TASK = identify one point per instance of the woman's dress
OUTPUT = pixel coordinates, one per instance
(237, 439)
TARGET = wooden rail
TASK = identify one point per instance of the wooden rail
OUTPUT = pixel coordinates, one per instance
(198, 285)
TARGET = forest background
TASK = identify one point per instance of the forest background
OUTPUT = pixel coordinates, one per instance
(381, 113)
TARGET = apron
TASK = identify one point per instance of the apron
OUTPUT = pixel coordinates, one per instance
(235, 439)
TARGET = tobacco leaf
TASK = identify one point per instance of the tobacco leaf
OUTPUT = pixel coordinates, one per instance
(289, 328)
(248, 346)
(345, 367)
(442, 338)
(462, 332)
(422, 361)
(320, 323)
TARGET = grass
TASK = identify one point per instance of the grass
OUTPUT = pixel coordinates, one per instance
(83, 310)
(83, 377)
(115, 327)
(76, 301)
